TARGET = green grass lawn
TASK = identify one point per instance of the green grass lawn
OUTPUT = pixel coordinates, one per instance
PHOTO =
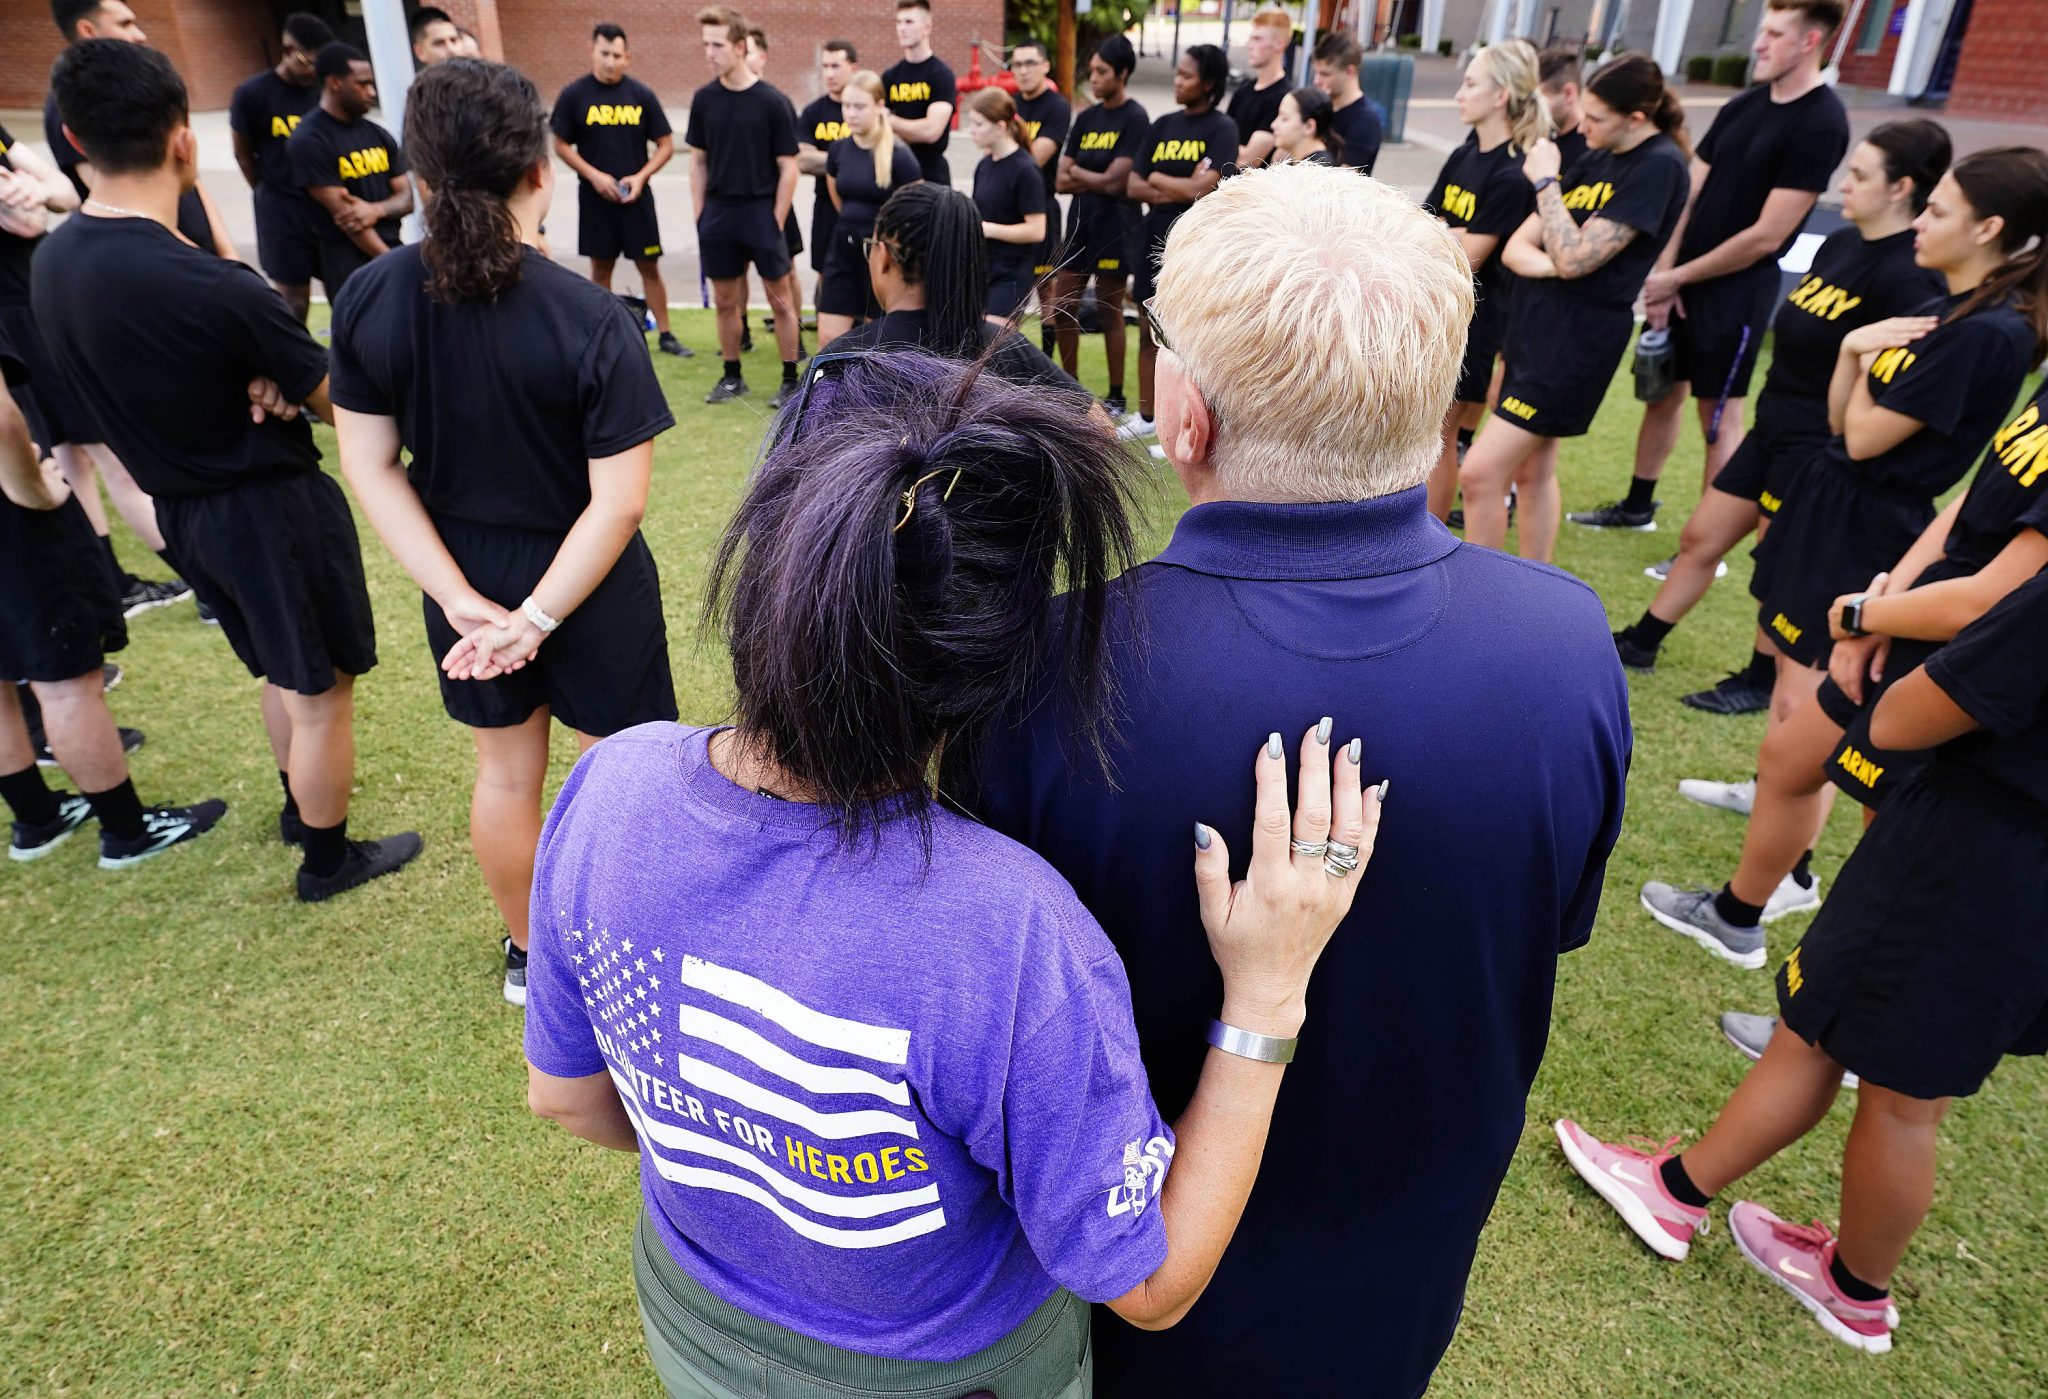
(252, 1147)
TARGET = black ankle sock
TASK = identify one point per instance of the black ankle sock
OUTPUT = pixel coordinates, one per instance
(291, 803)
(1116, 390)
(30, 798)
(1045, 340)
(789, 371)
(1640, 490)
(1853, 1287)
(1735, 911)
(1802, 873)
(732, 369)
(1464, 438)
(118, 810)
(326, 847)
(1680, 1184)
(1763, 669)
(1649, 632)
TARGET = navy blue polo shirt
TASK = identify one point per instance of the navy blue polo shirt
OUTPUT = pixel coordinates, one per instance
(1487, 689)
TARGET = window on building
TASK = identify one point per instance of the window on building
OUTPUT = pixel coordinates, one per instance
(1877, 18)
(1738, 29)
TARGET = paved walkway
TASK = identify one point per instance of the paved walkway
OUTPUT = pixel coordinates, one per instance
(1433, 130)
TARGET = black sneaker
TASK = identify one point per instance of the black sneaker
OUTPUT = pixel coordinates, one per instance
(1115, 406)
(1634, 657)
(290, 829)
(784, 394)
(1615, 514)
(515, 974)
(366, 860)
(139, 595)
(1736, 694)
(208, 615)
(131, 739)
(32, 842)
(726, 390)
(162, 828)
(1512, 501)
(672, 346)
(747, 340)
(1455, 520)
(110, 676)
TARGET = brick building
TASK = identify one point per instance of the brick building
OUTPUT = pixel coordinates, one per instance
(217, 43)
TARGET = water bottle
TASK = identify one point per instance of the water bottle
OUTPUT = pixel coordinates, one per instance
(1654, 363)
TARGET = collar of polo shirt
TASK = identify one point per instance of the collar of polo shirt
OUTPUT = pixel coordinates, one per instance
(1342, 539)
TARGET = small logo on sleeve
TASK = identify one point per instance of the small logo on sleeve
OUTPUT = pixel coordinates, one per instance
(1144, 1177)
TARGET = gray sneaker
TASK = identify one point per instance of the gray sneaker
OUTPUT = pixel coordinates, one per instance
(1690, 911)
(1750, 1033)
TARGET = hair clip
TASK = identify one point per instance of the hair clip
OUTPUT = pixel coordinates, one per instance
(909, 496)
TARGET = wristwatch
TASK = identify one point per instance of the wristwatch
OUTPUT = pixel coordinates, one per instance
(1852, 615)
(1545, 183)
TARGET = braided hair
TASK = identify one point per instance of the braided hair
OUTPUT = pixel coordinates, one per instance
(934, 233)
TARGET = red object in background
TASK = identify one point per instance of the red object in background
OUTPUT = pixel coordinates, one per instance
(975, 81)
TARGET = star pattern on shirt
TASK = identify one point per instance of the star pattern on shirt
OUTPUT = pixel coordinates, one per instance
(618, 988)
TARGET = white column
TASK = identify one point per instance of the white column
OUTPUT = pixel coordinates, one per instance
(1432, 24)
(1668, 44)
(1920, 34)
(391, 56)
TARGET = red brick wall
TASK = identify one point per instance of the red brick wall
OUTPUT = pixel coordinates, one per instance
(1873, 70)
(1999, 74)
(550, 41)
(215, 43)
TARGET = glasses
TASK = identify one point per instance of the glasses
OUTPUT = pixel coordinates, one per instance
(1017, 63)
(1152, 323)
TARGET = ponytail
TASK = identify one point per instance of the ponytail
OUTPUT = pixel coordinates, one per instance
(1915, 149)
(891, 580)
(995, 105)
(1516, 69)
(884, 149)
(934, 233)
(2011, 182)
(474, 130)
(1312, 105)
(1632, 82)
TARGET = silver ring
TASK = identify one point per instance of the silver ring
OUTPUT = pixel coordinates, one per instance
(1308, 847)
(1342, 853)
(1337, 870)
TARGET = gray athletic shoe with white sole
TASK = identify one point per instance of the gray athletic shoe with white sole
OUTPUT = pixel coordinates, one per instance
(1750, 1033)
(1690, 912)
(1661, 570)
(1737, 797)
(1791, 897)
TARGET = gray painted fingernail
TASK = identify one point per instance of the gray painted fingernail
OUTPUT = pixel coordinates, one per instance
(1201, 836)
(1384, 784)
(1273, 745)
(1323, 731)
(1357, 751)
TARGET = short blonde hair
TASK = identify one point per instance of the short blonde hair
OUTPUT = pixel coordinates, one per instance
(1274, 18)
(1329, 351)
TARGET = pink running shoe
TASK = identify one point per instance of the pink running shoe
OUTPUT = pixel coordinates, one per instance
(1629, 1180)
(1796, 1257)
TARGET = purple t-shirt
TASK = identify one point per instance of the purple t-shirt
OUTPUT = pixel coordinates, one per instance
(886, 1103)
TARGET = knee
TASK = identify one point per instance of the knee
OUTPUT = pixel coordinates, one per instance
(1899, 1110)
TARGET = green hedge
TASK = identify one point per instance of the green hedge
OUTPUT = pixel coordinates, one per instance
(1408, 41)
(1699, 68)
(1444, 47)
(1732, 70)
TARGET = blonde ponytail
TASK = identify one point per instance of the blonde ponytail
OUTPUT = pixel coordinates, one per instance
(870, 82)
(1517, 69)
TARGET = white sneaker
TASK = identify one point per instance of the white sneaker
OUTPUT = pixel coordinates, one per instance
(1737, 797)
(1661, 570)
(1788, 897)
(1134, 425)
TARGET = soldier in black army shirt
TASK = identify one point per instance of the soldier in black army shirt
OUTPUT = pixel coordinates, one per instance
(262, 115)
(350, 167)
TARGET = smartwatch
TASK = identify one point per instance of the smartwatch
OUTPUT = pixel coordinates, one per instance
(1545, 183)
(1852, 615)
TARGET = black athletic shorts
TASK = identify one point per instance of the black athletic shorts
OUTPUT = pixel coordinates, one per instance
(1786, 433)
(287, 248)
(1104, 242)
(1832, 536)
(1482, 346)
(607, 230)
(1927, 963)
(1717, 340)
(604, 669)
(1048, 257)
(339, 261)
(847, 290)
(59, 610)
(824, 218)
(1859, 767)
(792, 236)
(57, 417)
(734, 233)
(1009, 289)
(279, 563)
(1561, 357)
(1145, 272)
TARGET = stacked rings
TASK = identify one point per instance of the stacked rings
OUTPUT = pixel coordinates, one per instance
(1308, 847)
(1339, 859)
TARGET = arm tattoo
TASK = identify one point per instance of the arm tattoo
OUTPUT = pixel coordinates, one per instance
(1576, 250)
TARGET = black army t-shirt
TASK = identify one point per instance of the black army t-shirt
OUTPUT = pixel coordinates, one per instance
(1571, 148)
(358, 156)
(501, 404)
(910, 89)
(265, 110)
(1008, 191)
(1179, 144)
(611, 125)
(2008, 494)
(1957, 381)
(1100, 136)
(852, 168)
(1253, 108)
(192, 219)
(1362, 130)
(1853, 282)
(1996, 671)
(162, 339)
(1485, 193)
(1015, 358)
(1755, 146)
(15, 250)
(1644, 188)
(1047, 116)
(820, 124)
(742, 132)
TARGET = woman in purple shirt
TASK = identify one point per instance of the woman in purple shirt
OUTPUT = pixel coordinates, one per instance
(877, 1060)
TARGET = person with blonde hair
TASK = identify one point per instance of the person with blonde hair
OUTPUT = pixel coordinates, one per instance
(861, 168)
(1307, 570)
(1481, 196)
(1254, 105)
